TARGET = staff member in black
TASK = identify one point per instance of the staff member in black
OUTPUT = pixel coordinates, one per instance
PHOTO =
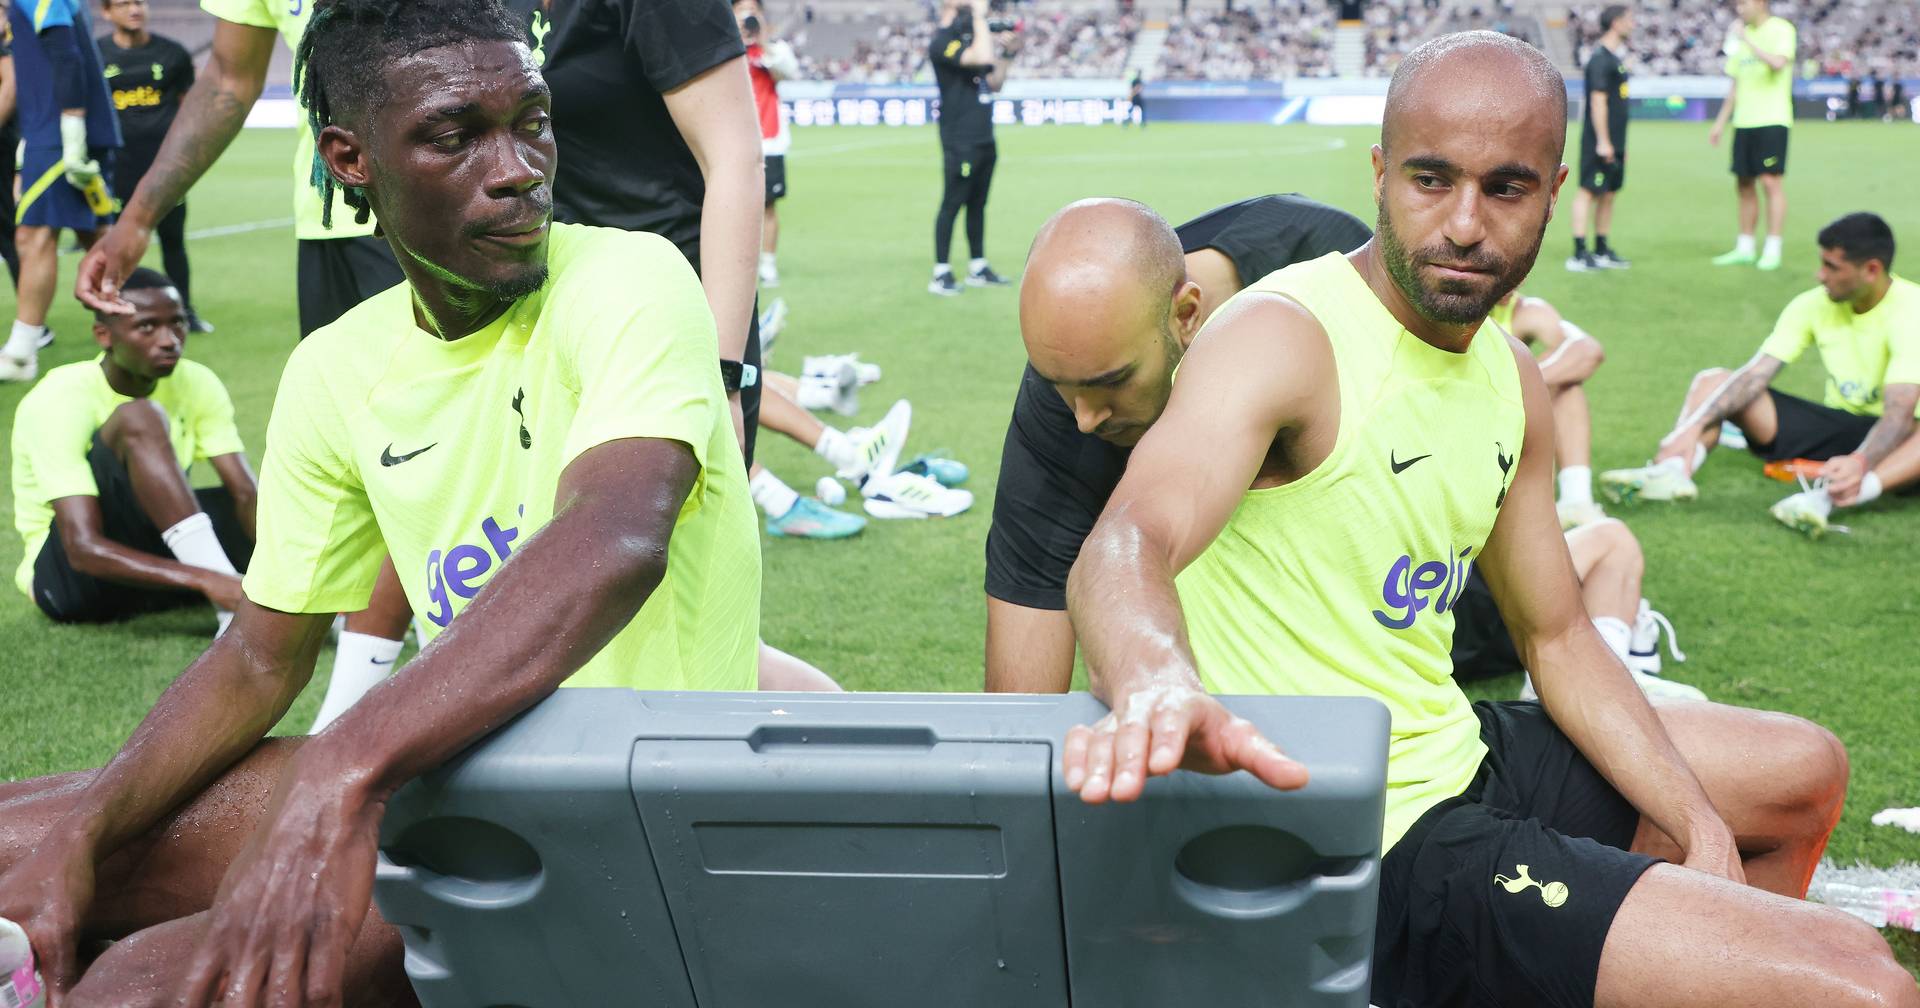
(1603, 143)
(1055, 478)
(968, 71)
(148, 74)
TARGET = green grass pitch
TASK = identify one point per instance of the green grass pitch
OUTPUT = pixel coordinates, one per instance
(1823, 629)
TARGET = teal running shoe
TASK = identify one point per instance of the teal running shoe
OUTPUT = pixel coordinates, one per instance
(948, 472)
(810, 519)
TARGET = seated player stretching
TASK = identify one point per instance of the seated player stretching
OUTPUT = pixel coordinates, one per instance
(534, 425)
(1289, 556)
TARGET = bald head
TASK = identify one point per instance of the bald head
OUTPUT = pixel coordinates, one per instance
(1105, 308)
(1468, 75)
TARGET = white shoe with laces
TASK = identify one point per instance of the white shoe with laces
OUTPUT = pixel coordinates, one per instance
(13, 369)
(877, 448)
(831, 384)
(1808, 510)
(909, 495)
(1653, 686)
(1643, 648)
(1656, 481)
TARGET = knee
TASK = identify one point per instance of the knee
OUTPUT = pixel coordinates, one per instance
(1818, 789)
(1621, 546)
(1853, 949)
(31, 241)
(136, 422)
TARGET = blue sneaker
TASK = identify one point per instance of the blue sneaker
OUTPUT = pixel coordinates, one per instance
(810, 519)
(945, 471)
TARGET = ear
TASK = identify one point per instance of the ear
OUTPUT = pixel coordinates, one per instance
(1186, 312)
(1553, 194)
(101, 336)
(344, 157)
(1379, 176)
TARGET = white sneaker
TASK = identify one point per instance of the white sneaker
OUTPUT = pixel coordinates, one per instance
(1653, 686)
(877, 448)
(1574, 514)
(1643, 648)
(1807, 511)
(1732, 437)
(829, 384)
(867, 373)
(12, 369)
(907, 495)
(1656, 481)
(772, 321)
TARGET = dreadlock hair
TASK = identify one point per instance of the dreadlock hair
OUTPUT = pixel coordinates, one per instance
(339, 67)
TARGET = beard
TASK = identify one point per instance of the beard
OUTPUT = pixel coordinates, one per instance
(520, 285)
(1451, 302)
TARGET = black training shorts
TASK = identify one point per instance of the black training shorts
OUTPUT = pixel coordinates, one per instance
(776, 165)
(1810, 430)
(68, 596)
(339, 273)
(1504, 895)
(1760, 150)
(1597, 176)
(1482, 646)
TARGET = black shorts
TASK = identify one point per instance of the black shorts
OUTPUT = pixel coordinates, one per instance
(68, 596)
(1760, 150)
(1504, 894)
(338, 273)
(1482, 647)
(776, 177)
(1597, 176)
(1810, 430)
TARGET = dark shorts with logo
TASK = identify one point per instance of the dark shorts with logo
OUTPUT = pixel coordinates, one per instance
(1597, 176)
(776, 177)
(339, 273)
(1811, 430)
(1760, 150)
(1504, 894)
(68, 596)
(1482, 647)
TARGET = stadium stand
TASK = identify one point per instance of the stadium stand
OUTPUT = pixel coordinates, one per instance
(1837, 37)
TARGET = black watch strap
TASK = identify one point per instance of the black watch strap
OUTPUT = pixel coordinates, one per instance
(736, 375)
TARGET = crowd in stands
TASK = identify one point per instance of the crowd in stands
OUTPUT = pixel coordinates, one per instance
(1290, 39)
(1844, 38)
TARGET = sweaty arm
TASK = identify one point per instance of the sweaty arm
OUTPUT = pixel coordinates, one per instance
(714, 113)
(210, 117)
(1739, 390)
(1844, 473)
(1261, 367)
(93, 554)
(237, 476)
(1583, 685)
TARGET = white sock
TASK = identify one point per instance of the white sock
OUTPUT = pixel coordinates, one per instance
(941, 269)
(360, 662)
(1576, 485)
(1675, 463)
(976, 264)
(774, 497)
(1699, 457)
(193, 543)
(1616, 633)
(1772, 247)
(1743, 244)
(24, 343)
(837, 448)
(766, 260)
(1869, 490)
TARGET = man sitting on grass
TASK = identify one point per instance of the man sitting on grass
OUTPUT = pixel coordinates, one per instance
(101, 447)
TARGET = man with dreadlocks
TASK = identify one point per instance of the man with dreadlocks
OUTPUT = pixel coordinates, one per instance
(533, 424)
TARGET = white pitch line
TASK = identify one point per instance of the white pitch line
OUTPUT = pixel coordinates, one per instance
(234, 229)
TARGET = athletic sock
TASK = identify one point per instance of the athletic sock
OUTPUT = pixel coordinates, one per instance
(1675, 463)
(1743, 244)
(976, 264)
(1699, 458)
(838, 449)
(1576, 485)
(24, 343)
(941, 269)
(1870, 489)
(766, 260)
(1600, 245)
(192, 542)
(774, 496)
(1772, 247)
(360, 662)
(1579, 246)
(1616, 633)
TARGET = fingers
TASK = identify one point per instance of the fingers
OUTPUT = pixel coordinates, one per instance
(326, 962)
(286, 985)
(1244, 748)
(1073, 757)
(57, 958)
(1098, 785)
(98, 285)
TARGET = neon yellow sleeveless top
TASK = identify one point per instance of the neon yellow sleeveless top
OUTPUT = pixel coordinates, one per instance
(1342, 583)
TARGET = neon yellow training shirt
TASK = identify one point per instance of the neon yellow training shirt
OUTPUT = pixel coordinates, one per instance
(289, 18)
(1342, 582)
(53, 430)
(449, 453)
(1763, 95)
(1863, 354)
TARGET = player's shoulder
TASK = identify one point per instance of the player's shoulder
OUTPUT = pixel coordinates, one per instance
(347, 345)
(196, 378)
(597, 266)
(64, 381)
(1807, 303)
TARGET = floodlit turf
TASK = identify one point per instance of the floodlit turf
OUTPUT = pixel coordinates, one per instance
(1826, 630)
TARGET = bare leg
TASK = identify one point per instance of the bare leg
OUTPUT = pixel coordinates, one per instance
(136, 433)
(1582, 202)
(770, 230)
(1572, 428)
(1758, 419)
(1776, 203)
(1608, 562)
(786, 384)
(1749, 205)
(39, 272)
(782, 671)
(1776, 779)
(780, 413)
(388, 612)
(1686, 938)
(1603, 214)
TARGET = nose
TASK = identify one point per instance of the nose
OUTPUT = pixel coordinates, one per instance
(513, 168)
(1464, 227)
(1088, 415)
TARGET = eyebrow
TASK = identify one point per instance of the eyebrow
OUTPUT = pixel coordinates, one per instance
(1436, 163)
(534, 93)
(1104, 380)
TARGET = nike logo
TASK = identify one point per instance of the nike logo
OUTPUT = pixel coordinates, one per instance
(389, 661)
(1399, 466)
(388, 458)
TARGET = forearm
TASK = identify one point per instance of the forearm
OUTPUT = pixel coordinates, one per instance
(1892, 430)
(1595, 704)
(211, 716)
(1726, 109)
(102, 558)
(998, 75)
(1126, 613)
(209, 118)
(1597, 111)
(730, 246)
(566, 593)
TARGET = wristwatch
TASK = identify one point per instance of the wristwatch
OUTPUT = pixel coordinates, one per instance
(737, 375)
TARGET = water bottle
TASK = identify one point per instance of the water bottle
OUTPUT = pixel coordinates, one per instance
(20, 985)
(1877, 905)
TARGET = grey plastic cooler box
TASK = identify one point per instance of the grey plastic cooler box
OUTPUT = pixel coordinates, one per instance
(727, 850)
